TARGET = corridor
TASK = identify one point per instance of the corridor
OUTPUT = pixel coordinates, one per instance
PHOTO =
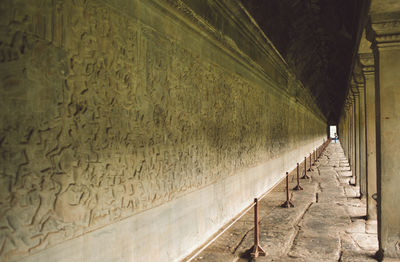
(327, 222)
(138, 130)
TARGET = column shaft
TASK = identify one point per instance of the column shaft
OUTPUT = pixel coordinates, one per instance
(357, 139)
(371, 140)
(362, 142)
(387, 57)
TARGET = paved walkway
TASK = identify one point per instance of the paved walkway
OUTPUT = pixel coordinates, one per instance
(326, 224)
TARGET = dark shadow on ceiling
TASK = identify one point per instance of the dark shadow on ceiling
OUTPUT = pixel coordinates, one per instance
(317, 39)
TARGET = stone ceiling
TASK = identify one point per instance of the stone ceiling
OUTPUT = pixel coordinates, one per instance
(317, 38)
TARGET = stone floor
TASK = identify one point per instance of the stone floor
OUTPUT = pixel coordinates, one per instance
(327, 223)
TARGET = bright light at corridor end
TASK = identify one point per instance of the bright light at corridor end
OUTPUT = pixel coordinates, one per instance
(332, 131)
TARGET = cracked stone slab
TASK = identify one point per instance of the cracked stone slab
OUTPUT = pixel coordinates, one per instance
(356, 212)
(350, 191)
(325, 218)
(348, 243)
(316, 246)
(275, 242)
(357, 226)
(357, 256)
(344, 173)
(366, 241)
(344, 181)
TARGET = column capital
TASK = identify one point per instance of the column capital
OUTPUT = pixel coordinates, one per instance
(366, 56)
(355, 93)
(367, 62)
(368, 71)
(368, 65)
(354, 88)
(383, 28)
(358, 81)
(385, 34)
(358, 78)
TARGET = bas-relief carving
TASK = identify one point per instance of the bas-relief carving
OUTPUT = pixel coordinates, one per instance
(103, 117)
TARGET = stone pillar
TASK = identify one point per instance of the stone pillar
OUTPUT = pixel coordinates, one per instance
(351, 145)
(367, 61)
(355, 161)
(348, 126)
(344, 136)
(344, 131)
(362, 142)
(347, 131)
(349, 107)
(353, 138)
(357, 136)
(386, 47)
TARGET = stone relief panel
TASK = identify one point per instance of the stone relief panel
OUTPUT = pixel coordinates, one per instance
(103, 117)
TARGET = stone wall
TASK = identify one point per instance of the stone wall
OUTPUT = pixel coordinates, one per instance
(111, 110)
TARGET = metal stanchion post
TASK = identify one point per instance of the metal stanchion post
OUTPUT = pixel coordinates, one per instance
(287, 203)
(305, 169)
(257, 249)
(298, 187)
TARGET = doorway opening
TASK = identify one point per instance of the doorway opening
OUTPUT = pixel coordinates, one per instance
(333, 132)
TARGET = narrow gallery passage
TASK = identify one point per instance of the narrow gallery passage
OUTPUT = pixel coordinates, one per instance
(327, 222)
(139, 130)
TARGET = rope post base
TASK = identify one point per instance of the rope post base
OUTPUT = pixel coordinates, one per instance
(298, 187)
(305, 169)
(257, 249)
(287, 203)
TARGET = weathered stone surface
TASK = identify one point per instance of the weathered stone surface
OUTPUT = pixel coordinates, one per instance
(358, 226)
(387, 54)
(366, 241)
(107, 111)
(371, 226)
(357, 256)
(320, 248)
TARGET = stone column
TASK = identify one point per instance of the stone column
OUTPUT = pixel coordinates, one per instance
(344, 131)
(348, 107)
(362, 142)
(346, 124)
(367, 61)
(386, 47)
(350, 144)
(347, 131)
(355, 137)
